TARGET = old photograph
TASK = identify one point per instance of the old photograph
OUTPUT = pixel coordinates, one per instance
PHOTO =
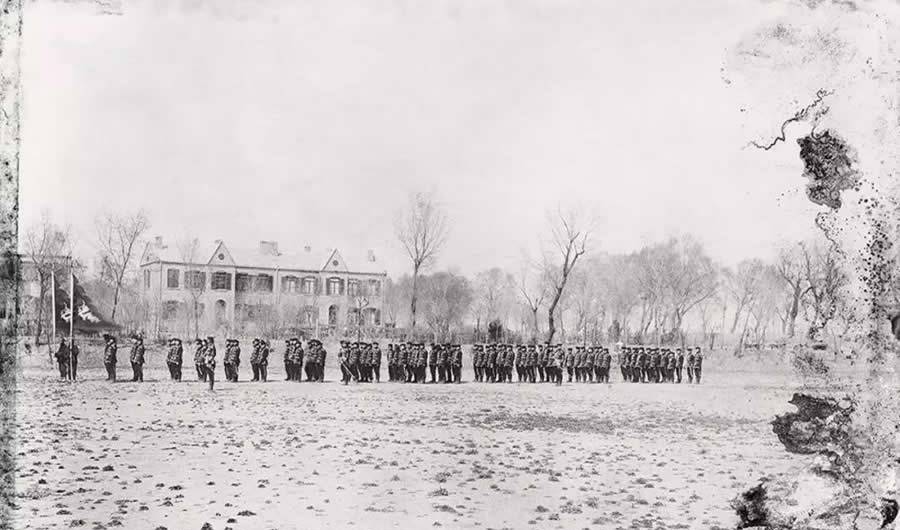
(459, 264)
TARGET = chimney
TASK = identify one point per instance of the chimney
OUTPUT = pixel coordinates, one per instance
(307, 248)
(269, 248)
(372, 255)
(158, 241)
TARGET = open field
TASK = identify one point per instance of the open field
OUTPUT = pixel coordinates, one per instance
(305, 455)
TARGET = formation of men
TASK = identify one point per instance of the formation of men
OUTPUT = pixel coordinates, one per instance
(647, 364)
(411, 362)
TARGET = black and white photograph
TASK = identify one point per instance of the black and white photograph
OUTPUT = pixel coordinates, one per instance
(457, 264)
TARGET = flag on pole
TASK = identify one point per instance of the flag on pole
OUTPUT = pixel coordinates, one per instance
(87, 318)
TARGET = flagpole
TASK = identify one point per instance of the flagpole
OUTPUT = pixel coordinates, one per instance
(71, 320)
(53, 307)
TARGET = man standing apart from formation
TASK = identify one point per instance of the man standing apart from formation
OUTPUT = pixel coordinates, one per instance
(62, 359)
(109, 357)
(137, 359)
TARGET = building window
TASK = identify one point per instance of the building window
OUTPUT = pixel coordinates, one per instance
(309, 316)
(353, 316)
(309, 285)
(375, 287)
(242, 282)
(170, 310)
(221, 281)
(353, 288)
(290, 284)
(195, 280)
(146, 278)
(172, 278)
(333, 315)
(262, 283)
(335, 287)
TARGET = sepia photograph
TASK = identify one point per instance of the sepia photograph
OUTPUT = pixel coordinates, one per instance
(459, 264)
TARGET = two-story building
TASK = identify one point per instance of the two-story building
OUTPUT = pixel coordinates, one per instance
(258, 291)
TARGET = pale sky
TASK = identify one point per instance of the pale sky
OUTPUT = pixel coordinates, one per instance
(311, 122)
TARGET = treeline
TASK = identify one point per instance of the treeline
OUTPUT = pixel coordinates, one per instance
(668, 292)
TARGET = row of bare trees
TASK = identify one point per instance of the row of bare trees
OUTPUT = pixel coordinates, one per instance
(655, 294)
(118, 240)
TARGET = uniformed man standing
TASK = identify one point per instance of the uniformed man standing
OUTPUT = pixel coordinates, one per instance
(174, 358)
(288, 364)
(199, 354)
(689, 364)
(698, 364)
(344, 361)
(679, 364)
(376, 362)
(209, 361)
(109, 356)
(62, 359)
(137, 359)
(264, 351)
(254, 359)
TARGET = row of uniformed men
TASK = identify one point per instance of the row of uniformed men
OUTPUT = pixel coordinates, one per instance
(650, 364)
(205, 359)
(541, 363)
(411, 362)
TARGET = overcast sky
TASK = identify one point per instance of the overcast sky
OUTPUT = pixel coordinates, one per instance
(311, 122)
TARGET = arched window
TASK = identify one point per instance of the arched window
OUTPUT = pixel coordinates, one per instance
(221, 312)
(333, 315)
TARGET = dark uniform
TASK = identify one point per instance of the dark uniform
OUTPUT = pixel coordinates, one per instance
(137, 359)
(62, 359)
(679, 364)
(476, 362)
(288, 362)
(198, 359)
(209, 361)
(376, 362)
(689, 364)
(73, 362)
(174, 359)
(232, 360)
(605, 365)
(698, 364)
(109, 357)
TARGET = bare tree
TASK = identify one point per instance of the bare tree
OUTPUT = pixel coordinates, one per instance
(569, 236)
(494, 291)
(47, 245)
(825, 279)
(742, 286)
(118, 238)
(422, 230)
(534, 291)
(447, 297)
(790, 269)
(194, 282)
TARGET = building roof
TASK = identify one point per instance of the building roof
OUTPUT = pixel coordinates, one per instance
(265, 256)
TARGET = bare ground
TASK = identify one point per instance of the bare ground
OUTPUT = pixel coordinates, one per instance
(321, 455)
